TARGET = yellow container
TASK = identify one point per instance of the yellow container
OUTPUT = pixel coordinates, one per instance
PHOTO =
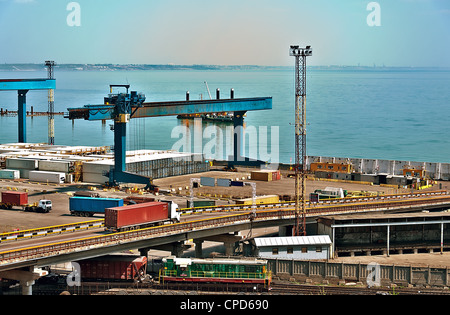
(259, 200)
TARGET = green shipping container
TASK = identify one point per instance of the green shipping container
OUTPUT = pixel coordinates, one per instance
(9, 174)
(202, 203)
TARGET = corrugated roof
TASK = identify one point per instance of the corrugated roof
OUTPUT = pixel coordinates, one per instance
(292, 240)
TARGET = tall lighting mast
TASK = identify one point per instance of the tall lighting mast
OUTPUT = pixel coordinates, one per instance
(51, 105)
(300, 55)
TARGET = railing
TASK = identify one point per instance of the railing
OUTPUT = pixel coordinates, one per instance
(216, 274)
(48, 250)
(284, 204)
(58, 229)
(223, 274)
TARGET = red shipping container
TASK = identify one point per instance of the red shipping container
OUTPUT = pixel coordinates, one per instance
(132, 215)
(113, 267)
(276, 175)
(15, 198)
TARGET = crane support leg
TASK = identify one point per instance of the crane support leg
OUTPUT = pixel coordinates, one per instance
(22, 113)
(119, 174)
(120, 149)
(238, 143)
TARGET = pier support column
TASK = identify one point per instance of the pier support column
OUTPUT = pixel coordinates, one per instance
(22, 115)
(27, 287)
(238, 143)
(177, 249)
(229, 248)
(25, 276)
(144, 251)
(198, 248)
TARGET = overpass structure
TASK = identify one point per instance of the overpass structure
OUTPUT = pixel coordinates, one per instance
(94, 245)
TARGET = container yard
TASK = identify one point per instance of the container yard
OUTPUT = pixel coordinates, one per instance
(59, 164)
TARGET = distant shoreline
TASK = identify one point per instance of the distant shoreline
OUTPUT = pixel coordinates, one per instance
(150, 67)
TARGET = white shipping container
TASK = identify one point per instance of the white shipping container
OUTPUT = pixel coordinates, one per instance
(94, 178)
(9, 174)
(47, 177)
(24, 174)
(17, 163)
(54, 166)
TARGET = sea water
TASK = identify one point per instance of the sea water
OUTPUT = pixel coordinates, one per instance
(376, 113)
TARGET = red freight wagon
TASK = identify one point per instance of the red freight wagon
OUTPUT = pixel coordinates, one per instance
(138, 215)
(14, 198)
(114, 267)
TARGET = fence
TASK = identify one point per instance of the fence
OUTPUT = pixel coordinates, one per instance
(336, 272)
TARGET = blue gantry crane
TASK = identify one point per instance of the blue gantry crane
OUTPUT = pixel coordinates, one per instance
(22, 86)
(122, 107)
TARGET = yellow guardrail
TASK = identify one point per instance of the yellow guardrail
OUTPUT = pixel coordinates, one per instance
(117, 238)
(57, 229)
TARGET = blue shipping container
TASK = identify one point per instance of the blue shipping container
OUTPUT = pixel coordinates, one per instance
(87, 206)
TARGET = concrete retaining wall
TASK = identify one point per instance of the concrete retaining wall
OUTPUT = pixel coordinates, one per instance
(336, 272)
(437, 171)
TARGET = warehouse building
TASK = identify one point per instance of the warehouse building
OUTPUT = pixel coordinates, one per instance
(294, 247)
(92, 164)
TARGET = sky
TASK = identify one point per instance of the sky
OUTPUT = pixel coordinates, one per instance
(226, 32)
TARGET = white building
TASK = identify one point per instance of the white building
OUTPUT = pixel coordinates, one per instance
(295, 247)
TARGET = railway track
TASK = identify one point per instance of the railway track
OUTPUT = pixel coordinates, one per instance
(300, 289)
(109, 288)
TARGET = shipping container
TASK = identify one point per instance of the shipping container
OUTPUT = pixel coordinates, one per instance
(18, 163)
(9, 174)
(87, 206)
(224, 182)
(259, 200)
(47, 177)
(143, 214)
(201, 203)
(24, 174)
(54, 166)
(266, 175)
(276, 175)
(14, 198)
(114, 267)
(208, 181)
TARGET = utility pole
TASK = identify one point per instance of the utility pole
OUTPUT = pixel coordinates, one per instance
(51, 105)
(300, 55)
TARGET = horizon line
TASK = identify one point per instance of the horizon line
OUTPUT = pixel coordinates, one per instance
(223, 66)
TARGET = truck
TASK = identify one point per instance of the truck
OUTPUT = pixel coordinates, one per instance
(88, 206)
(17, 199)
(142, 215)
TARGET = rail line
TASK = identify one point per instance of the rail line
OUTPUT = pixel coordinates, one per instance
(277, 288)
(16, 256)
(301, 289)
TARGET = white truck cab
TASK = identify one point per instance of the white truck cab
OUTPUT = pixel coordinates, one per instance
(44, 206)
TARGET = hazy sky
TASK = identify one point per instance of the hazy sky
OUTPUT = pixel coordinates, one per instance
(412, 32)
